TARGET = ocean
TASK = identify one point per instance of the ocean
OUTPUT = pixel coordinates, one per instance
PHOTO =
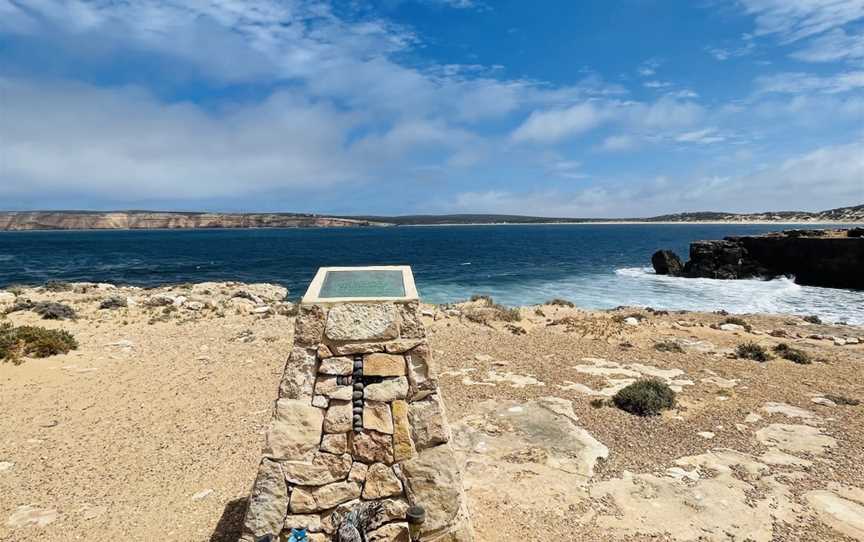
(595, 266)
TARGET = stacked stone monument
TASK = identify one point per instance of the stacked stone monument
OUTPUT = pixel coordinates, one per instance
(359, 418)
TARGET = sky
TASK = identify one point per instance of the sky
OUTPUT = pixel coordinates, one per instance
(588, 108)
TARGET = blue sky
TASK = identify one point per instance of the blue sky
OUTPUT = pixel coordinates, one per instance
(557, 108)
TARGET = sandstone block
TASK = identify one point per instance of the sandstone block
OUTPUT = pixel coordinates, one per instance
(332, 495)
(338, 418)
(309, 326)
(323, 469)
(335, 444)
(403, 444)
(324, 351)
(329, 387)
(320, 401)
(298, 379)
(391, 389)
(295, 430)
(358, 472)
(393, 510)
(381, 482)
(433, 480)
(362, 322)
(422, 379)
(372, 447)
(428, 423)
(336, 366)
(377, 417)
(411, 326)
(310, 522)
(268, 503)
(302, 501)
(384, 365)
(392, 532)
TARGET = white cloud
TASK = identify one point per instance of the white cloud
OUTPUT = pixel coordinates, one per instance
(656, 84)
(793, 20)
(833, 46)
(705, 136)
(618, 143)
(802, 83)
(556, 124)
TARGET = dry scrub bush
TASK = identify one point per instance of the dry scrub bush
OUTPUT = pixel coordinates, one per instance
(645, 398)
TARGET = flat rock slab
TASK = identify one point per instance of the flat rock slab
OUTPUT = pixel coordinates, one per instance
(362, 322)
(27, 515)
(795, 438)
(842, 515)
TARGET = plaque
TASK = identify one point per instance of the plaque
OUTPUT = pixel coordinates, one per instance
(378, 283)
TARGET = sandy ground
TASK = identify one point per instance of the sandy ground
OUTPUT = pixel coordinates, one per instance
(152, 429)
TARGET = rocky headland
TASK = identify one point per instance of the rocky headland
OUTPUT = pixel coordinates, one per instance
(151, 428)
(151, 220)
(829, 258)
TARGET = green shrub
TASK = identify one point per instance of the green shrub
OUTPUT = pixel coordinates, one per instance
(792, 354)
(57, 286)
(49, 310)
(487, 299)
(753, 351)
(668, 346)
(738, 322)
(561, 303)
(113, 302)
(812, 319)
(645, 398)
(597, 403)
(37, 342)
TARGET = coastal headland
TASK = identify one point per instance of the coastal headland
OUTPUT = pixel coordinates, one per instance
(137, 220)
(152, 427)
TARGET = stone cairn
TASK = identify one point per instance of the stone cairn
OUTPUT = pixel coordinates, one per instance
(359, 418)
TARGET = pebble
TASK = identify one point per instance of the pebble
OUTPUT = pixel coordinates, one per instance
(707, 435)
(6, 465)
(202, 494)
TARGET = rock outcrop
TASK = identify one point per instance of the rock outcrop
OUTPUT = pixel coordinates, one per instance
(666, 262)
(828, 258)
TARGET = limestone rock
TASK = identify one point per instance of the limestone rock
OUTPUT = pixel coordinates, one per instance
(309, 326)
(433, 480)
(403, 444)
(666, 262)
(338, 418)
(731, 327)
(400, 346)
(362, 322)
(268, 503)
(381, 482)
(324, 351)
(26, 515)
(320, 401)
(324, 497)
(7, 298)
(795, 438)
(421, 376)
(383, 365)
(298, 379)
(310, 522)
(411, 325)
(377, 417)
(329, 387)
(372, 447)
(390, 389)
(323, 469)
(841, 514)
(428, 424)
(392, 532)
(358, 472)
(335, 444)
(336, 366)
(295, 430)
(393, 510)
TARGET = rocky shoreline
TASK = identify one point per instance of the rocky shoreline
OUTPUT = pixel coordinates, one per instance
(828, 258)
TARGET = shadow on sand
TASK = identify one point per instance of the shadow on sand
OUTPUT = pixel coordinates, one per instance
(231, 523)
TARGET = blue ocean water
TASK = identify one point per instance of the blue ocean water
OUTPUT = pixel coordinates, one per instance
(595, 266)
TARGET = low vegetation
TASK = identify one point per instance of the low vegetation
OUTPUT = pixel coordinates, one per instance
(57, 286)
(114, 302)
(842, 400)
(487, 311)
(792, 354)
(646, 397)
(753, 351)
(33, 341)
(668, 346)
(812, 319)
(48, 310)
(557, 302)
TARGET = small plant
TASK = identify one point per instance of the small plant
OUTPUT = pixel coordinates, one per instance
(812, 319)
(841, 400)
(57, 286)
(645, 398)
(792, 354)
(557, 302)
(597, 403)
(37, 342)
(16, 289)
(753, 351)
(487, 299)
(49, 310)
(738, 322)
(114, 302)
(621, 318)
(668, 346)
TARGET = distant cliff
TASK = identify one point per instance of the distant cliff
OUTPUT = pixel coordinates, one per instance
(146, 220)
